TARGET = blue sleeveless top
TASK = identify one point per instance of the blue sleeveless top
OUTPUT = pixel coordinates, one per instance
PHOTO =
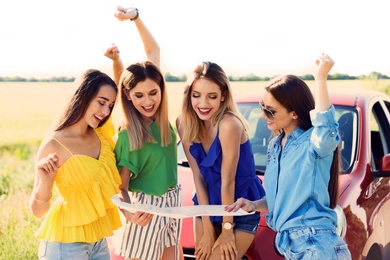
(247, 185)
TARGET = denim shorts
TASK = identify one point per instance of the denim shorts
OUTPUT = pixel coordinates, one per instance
(311, 243)
(246, 223)
(80, 251)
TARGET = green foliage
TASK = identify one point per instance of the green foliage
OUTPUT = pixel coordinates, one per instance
(17, 228)
(17, 224)
(171, 78)
(52, 79)
(21, 151)
(339, 76)
(307, 77)
(250, 77)
(376, 81)
(16, 167)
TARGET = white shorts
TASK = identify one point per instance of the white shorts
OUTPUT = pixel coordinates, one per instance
(149, 242)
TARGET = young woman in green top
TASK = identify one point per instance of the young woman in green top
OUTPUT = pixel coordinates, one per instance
(146, 153)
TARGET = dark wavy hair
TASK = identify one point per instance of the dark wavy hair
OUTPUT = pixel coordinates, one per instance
(294, 94)
(89, 85)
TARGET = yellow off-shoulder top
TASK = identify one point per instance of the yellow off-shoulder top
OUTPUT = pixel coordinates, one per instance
(83, 211)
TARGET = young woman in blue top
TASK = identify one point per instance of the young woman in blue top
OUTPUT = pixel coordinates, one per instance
(301, 178)
(215, 140)
(146, 152)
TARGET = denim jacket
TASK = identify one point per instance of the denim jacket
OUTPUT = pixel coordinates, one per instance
(296, 179)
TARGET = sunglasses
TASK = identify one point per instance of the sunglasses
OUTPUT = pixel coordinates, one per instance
(268, 113)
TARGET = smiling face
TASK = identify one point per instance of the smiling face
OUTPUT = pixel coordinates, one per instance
(206, 98)
(101, 106)
(146, 98)
(277, 116)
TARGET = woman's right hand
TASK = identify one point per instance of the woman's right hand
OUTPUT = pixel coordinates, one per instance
(140, 218)
(47, 168)
(204, 248)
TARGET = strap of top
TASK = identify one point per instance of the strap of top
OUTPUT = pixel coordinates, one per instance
(63, 146)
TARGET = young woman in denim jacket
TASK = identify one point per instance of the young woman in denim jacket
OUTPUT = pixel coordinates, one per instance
(301, 178)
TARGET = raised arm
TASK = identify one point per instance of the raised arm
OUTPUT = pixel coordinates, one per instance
(112, 53)
(151, 47)
(324, 65)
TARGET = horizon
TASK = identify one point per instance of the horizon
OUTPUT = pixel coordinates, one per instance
(62, 39)
(234, 76)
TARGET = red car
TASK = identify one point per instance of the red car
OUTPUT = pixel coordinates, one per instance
(364, 218)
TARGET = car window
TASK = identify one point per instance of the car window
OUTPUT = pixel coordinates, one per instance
(380, 130)
(347, 119)
(259, 134)
(252, 113)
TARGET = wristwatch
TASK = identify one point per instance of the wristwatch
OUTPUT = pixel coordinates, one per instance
(227, 225)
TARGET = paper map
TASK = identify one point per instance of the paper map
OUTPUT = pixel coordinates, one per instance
(179, 212)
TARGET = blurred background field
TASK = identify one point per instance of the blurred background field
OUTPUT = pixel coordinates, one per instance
(28, 109)
(27, 112)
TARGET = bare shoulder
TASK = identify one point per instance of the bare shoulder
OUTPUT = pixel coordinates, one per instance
(49, 145)
(178, 124)
(230, 123)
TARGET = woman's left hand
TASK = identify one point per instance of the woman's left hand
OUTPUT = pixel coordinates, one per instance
(227, 245)
(112, 52)
(124, 14)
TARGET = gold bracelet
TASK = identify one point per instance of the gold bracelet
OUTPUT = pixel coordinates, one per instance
(42, 201)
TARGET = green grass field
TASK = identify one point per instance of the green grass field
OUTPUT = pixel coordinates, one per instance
(27, 111)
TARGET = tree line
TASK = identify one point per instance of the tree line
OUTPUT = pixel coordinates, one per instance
(183, 78)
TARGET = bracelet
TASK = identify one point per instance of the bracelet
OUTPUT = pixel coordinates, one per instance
(136, 16)
(42, 201)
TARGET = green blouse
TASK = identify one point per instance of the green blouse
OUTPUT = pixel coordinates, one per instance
(154, 167)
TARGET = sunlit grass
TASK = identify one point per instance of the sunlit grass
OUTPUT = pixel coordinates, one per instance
(17, 224)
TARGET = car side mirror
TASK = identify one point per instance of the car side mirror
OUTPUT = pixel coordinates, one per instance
(385, 167)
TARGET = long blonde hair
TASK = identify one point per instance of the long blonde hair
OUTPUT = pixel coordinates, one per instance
(137, 129)
(193, 128)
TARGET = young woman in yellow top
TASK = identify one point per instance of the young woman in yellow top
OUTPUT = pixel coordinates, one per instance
(77, 160)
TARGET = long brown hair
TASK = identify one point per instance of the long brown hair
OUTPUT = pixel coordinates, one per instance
(89, 85)
(294, 94)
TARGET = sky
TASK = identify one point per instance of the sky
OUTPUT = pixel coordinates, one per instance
(51, 38)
